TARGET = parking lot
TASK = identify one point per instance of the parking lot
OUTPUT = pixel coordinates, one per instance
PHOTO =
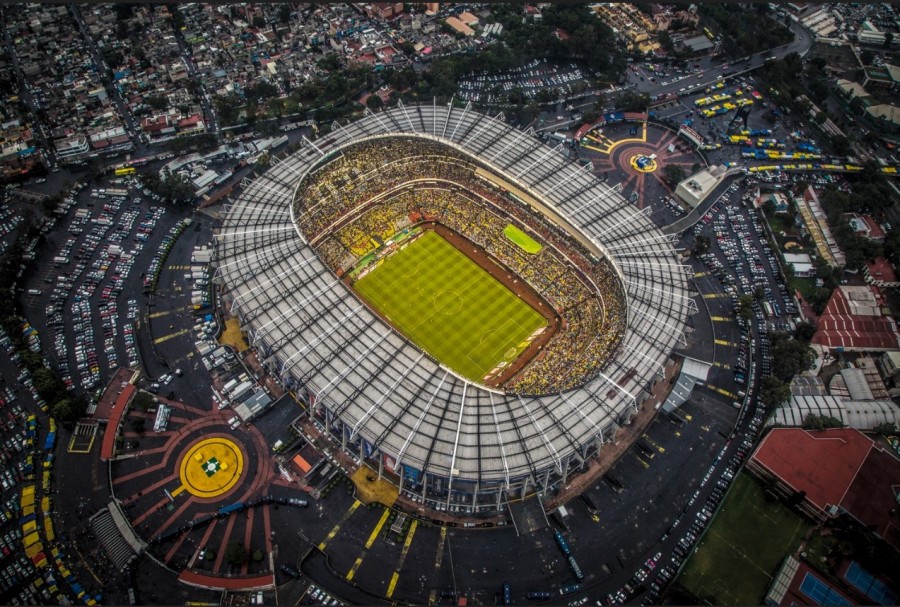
(532, 79)
(85, 298)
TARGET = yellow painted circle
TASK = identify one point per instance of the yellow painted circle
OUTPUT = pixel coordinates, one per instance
(649, 168)
(211, 467)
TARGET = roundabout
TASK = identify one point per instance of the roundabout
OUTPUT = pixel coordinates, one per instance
(210, 468)
(644, 163)
(638, 163)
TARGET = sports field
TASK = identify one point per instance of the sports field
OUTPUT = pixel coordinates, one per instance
(743, 548)
(450, 307)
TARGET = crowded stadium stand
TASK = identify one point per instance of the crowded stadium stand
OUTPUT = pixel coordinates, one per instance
(289, 243)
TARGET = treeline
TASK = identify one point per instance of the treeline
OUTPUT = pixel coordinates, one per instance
(46, 382)
(746, 29)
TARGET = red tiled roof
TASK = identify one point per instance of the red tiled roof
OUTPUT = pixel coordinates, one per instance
(115, 416)
(871, 499)
(838, 328)
(822, 463)
(189, 121)
(881, 269)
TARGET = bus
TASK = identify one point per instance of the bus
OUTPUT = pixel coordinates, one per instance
(767, 308)
(125, 171)
(708, 33)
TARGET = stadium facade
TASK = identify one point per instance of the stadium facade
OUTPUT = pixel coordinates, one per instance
(448, 442)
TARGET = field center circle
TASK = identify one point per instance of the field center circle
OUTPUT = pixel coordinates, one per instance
(448, 302)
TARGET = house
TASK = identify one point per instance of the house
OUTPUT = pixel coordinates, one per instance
(853, 321)
(881, 273)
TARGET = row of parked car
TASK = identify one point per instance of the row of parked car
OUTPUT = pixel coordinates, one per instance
(103, 261)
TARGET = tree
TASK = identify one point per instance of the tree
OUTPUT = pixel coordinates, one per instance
(804, 331)
(68, 410)
(866, 56)
(674, 174)
(137, 424)
(374, 102)
(790, 356)
(821, 422)
(235, 553)
(774, 392)
(143, 401)
(259, 22)
(885, 429)
(157, 102)
(257, 555)
(745, 307)
(47, 384)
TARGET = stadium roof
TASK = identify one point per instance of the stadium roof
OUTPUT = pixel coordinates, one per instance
(389, 392)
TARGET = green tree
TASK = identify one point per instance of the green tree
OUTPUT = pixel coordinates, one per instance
(157, 102)
(773, 392)
(745, 307)
(374, 102)
(138, 424)
(804, 331)
(821, 422)
(674, 174)
(885, 429)
(258, 555)
(68, 410)
(235, 553)
(790, 356)
(47, 384)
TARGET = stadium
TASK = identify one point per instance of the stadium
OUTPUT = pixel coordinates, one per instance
(459, 305)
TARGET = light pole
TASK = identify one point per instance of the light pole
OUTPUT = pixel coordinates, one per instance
(452, 571)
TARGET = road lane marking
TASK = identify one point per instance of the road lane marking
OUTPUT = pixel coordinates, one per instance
(374, 535)
(159, 340)
(353, 569)
(440, 549)
(406, 544)
(334, 531)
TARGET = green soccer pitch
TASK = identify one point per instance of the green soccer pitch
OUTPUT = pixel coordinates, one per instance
(450, 307)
